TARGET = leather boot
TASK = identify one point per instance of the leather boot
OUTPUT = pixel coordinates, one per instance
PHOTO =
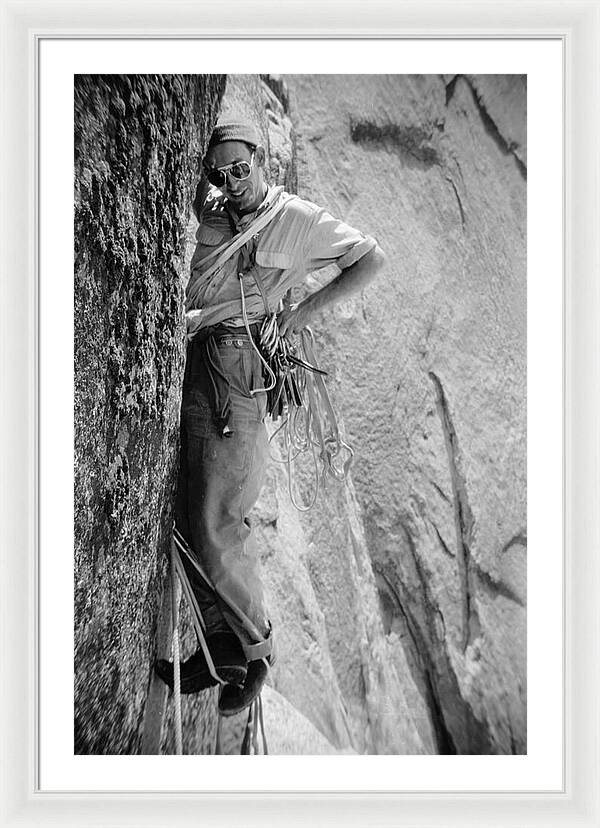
(234, 699)
(228, 658)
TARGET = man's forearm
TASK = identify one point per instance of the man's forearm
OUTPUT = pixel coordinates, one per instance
(349, 281)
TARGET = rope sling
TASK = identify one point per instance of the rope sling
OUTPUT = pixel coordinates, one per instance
(180, 579)
(175, 599)
(296, 395)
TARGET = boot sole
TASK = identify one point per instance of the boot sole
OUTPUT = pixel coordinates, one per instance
(231, 674)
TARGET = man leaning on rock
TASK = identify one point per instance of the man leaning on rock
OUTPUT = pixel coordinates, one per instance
(254, 243)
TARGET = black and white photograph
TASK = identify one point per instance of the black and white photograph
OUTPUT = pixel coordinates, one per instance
(300, 412)
(300, 404)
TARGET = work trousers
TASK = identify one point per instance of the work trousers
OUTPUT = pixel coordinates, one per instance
(220, 478)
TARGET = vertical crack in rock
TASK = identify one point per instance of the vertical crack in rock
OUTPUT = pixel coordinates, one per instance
(445, 742)
(513, 745)
(506, 147)
(450, 87)
(463, 516)
(445, 548)
(455, 728)
(458, 199)
(421, 666)
(278, 87)
(281, 135)
(440, 491)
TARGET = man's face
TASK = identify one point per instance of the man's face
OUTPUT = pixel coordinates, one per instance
(246, 195)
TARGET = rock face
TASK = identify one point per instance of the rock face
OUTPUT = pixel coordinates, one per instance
(287, 731)
(138, 140)
(399, 599)
(429, 368)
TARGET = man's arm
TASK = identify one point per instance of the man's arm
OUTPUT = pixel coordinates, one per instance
(351, 280)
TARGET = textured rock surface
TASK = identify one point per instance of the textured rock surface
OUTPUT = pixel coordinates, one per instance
(399, 600)
(137, 143)
(334, 663)
(428, 368)
(435, 352)
(287, 731)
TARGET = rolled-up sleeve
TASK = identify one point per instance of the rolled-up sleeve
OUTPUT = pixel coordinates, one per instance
(330, 240)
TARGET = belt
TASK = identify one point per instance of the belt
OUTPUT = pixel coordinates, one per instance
(222, 331)
(236, 337)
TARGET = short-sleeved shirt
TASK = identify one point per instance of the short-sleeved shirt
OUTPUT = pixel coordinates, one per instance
(301, 238)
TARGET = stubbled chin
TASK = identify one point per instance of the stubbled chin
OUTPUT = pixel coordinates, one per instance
(242, 205)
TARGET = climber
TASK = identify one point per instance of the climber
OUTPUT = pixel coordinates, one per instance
(254, 243)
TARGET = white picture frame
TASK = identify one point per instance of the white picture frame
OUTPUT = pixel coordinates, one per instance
(578, 25)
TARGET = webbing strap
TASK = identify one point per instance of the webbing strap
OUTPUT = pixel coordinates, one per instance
(253, 271)
(253, 652)
(195, 613)
(225, 251)
(250, 626)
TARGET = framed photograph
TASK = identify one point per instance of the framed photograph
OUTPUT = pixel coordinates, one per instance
(436, 620)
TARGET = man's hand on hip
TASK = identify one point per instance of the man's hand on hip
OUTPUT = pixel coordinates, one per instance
(293, 319)
(351, 280)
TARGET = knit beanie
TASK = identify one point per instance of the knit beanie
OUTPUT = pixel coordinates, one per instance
(234, 132)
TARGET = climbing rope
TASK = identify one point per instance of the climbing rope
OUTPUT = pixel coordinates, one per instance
(262, 726)
(254, 724)
(297, 394)
(175, 598)
(179, 545)
(179, 578)
(272, 377)
(309, 425)
(218, 737)
(181, 585)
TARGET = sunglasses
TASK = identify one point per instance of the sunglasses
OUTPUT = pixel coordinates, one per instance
(239, 171)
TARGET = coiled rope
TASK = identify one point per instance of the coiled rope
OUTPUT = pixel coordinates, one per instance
(309, 423)
(297, 394)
